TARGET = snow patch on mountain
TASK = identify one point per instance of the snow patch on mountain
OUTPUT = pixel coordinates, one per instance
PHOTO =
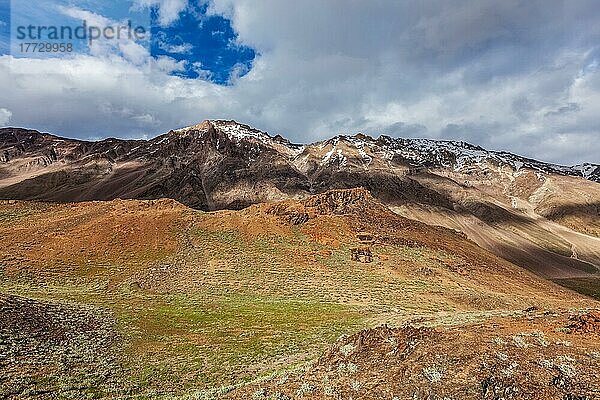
(359, 143)
(588, 171)
(334, 154)
(237, 132)
(420, 153)
(459, 156)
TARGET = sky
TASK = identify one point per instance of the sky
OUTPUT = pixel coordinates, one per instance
(520, 76)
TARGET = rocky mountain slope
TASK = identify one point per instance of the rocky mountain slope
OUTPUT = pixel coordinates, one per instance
(209, 165)
(151, 300)
(541, 216)
(540, 356)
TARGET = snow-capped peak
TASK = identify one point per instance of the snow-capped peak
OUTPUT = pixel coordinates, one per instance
(431, 153)
(236, 131)
(345, 149)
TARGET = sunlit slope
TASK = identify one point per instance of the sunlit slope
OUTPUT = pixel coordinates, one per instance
(188, 299)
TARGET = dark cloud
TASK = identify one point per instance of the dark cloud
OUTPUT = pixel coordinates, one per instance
(569, 108)
(401, 129)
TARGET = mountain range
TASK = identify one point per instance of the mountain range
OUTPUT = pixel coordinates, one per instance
(541, 216)
(210, 166)
(355, 267)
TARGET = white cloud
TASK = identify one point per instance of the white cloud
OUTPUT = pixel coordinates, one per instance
(130, 49)
(165, 44)
(80, 14)
(5, 116)
(493, 73)
(169, 10)
(184, 48)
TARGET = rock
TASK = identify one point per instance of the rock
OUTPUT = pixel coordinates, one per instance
(586, 323)
(298, 218)
(290, 215)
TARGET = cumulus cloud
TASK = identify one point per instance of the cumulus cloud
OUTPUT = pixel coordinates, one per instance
(184, 48)
(168, 10)
(510, 75)
(130, 49)
(5, 116)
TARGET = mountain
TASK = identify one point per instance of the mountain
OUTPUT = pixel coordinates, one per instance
(224, 164)
(541, 216)
(153, 300)
(425, 267)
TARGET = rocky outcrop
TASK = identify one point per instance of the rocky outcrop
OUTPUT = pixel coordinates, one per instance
(478, 361)
(290, 215)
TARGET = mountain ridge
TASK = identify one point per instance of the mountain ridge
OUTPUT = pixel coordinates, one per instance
(460, 150)
(543, 217)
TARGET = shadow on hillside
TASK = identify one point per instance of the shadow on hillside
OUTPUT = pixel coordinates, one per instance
(586, 286)
(196, 188)
(395, 190)
(546, 263)
(591, 209)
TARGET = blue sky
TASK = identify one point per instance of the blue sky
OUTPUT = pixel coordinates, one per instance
(204, 45)
(4, 26)
(57, 13)
(512, 75)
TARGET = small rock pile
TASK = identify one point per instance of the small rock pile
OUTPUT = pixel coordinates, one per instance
(585, 323)
(292, 215)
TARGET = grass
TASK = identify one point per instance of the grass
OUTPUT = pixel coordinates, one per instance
(10, 215)
(223, 336)
(268, 265)
(261, 314)
(177, 342)
(249, 305)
